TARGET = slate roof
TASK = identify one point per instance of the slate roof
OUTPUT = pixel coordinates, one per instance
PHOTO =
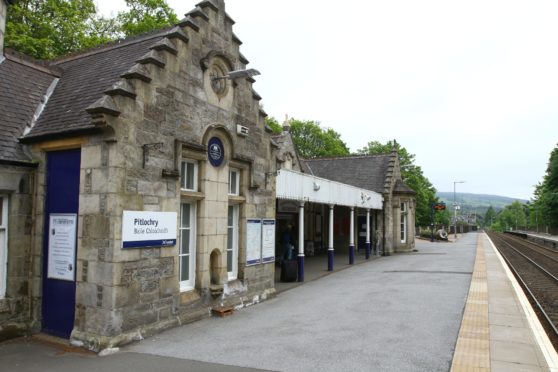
(23, 84)
(401, 188)
(84, 79)
(368, 171)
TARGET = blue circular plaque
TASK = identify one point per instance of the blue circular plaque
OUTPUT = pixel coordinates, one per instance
(215, 151)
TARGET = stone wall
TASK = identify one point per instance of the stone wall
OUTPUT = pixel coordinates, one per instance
(15, 311)
(127, 294)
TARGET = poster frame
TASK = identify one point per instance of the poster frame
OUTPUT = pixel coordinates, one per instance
(253, 241)
(70, 250)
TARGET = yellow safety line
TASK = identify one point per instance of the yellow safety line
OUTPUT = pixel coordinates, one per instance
(472, 351)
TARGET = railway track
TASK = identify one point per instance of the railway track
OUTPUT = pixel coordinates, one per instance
(536, 268)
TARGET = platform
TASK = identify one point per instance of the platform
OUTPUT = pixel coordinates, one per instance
(499, 330)
(449, 303)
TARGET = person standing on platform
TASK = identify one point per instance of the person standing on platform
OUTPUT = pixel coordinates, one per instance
(288, 243)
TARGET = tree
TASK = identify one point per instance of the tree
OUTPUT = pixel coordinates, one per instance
(412, 176)
(274, 125)
(46, 29)
(146, 15)
(511, 217)
(312, 141)
(545, 202)
(442, 217)
(489, 216)
(49, 28)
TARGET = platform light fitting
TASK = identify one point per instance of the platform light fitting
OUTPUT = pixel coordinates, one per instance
(237, 74)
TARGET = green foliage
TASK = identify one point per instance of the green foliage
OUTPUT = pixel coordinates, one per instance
(312, 141)
(412, 176)
(146, 15)
(442, 217)
(46, 29)
(545, 201)
(489, 216)
(511, 217)
(274, 125)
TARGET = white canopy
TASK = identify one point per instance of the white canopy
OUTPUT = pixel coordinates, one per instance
(292, 185)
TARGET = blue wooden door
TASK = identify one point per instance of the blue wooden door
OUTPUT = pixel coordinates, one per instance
(62, 199)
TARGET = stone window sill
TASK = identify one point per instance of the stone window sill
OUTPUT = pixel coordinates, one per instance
(236, 199)
(192, 195)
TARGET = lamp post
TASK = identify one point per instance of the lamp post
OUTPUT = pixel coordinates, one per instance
(237, 74)
(455, 210)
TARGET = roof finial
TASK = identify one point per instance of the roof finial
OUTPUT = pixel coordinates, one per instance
(286, 126)
(394, 146)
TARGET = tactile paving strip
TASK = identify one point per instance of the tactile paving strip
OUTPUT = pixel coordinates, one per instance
(472, 351)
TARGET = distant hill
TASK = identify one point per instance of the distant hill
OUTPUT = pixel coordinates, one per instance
(477, 202)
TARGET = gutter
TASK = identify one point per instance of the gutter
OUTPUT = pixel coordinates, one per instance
(19, 163)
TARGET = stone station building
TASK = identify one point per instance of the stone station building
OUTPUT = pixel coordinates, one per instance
(120, 140)
(387, 225)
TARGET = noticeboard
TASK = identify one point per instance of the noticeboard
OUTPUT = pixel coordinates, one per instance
(268, 240)
(253, 241)
(62, 246)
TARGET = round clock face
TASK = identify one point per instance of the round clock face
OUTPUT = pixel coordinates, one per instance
(218, 84)
(215, 151)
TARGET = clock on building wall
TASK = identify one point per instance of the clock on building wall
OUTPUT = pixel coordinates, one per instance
(217, 73)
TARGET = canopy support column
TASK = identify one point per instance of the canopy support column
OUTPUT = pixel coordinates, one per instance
(352, 239)
(367, 234)
(330, 242)
(301, 242)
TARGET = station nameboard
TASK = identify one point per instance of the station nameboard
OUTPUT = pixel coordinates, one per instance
(141, 229)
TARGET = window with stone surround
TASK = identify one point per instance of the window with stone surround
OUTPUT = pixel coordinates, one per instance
(234, 181)
(232, 242)
(3, 243)
(187, 250)
(403, 222)
(189, 175)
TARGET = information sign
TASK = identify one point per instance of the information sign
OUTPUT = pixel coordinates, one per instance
(439, 206)
(253, 241)
(268, 240)
(62, 246)
(142, 229)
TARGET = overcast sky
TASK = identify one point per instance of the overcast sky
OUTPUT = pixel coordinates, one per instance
(469, 87)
